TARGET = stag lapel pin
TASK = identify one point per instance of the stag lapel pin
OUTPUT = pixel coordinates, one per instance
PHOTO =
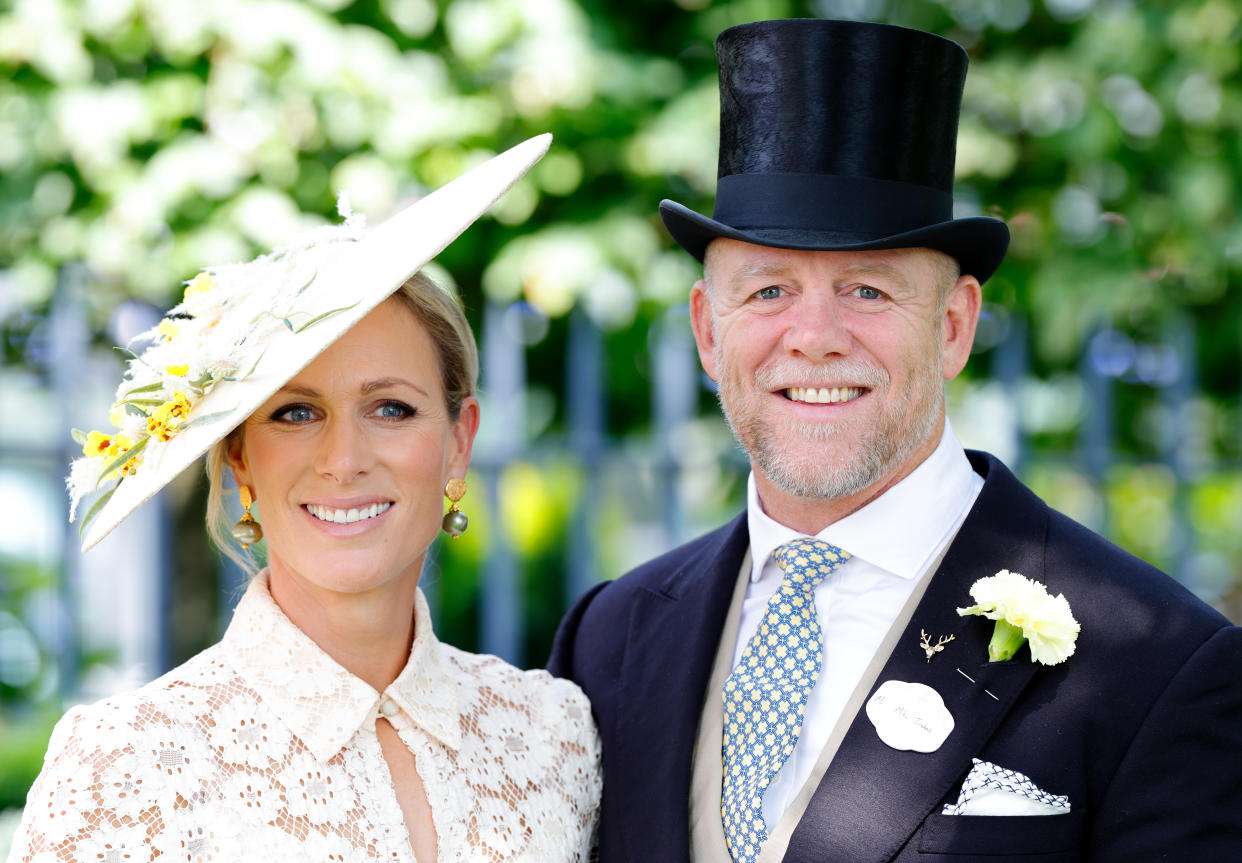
(932, 649)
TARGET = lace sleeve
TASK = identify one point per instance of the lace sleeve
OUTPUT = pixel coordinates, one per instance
(99, 795)
(568, 717)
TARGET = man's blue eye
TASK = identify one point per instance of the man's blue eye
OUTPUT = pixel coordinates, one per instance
(867, 293)
(769, 293)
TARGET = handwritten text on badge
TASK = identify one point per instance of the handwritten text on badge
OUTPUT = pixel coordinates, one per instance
(909, 716)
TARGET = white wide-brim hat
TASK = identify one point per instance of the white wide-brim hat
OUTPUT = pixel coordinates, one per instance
(244, 330)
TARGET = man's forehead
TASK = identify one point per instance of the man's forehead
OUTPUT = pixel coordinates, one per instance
(735, 260)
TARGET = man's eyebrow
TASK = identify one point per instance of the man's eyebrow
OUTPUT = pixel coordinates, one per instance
(757, 268)
(877, 268)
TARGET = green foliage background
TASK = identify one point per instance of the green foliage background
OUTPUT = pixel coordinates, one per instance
(147, 138)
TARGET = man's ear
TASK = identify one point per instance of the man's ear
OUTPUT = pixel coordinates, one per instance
(704, 332)
(235, 458)
(961, 316)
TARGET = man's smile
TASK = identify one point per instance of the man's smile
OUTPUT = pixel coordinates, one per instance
(823, 395)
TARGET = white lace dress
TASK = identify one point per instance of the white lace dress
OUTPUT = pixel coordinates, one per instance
(262, 748)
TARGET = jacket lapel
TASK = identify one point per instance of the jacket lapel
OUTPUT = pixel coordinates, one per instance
(872, 798)
(672, 639)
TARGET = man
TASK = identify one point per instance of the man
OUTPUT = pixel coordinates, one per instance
(799, 685)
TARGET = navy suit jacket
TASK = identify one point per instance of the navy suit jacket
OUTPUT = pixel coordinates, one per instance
(1141, 728)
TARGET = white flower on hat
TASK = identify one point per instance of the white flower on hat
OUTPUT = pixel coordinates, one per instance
(1024, 611)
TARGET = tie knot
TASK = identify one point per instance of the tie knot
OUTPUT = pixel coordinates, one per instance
(807, 562)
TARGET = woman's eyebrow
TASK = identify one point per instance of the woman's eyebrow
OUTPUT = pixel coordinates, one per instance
(387, 383)
(366, 389)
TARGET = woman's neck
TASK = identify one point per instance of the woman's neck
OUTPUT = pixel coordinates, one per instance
(369, 633)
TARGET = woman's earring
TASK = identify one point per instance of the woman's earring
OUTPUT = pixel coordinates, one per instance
(455, 520)
(247, 531)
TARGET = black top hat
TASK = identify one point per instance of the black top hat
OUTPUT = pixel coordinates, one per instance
(839, 135)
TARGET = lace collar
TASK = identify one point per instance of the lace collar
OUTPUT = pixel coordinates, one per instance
(321, 702)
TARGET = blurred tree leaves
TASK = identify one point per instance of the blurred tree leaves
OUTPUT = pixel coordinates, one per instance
(151, 138)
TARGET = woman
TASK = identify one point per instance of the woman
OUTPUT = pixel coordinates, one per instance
(329, 723)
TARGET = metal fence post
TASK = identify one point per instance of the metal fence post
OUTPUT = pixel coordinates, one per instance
(1098, 366)
(504, 377)
(1009, 366)
(68, 340)
(674, 381)
(1175, 398)
(584, 385)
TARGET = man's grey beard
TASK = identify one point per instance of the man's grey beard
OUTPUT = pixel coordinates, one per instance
(874, 458)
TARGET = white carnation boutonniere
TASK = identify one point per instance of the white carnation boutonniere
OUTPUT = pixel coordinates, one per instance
(1024, 611)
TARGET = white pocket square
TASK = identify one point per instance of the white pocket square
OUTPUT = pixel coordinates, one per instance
(992, 790)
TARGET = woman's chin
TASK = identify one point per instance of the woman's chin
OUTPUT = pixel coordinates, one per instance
(345, 571)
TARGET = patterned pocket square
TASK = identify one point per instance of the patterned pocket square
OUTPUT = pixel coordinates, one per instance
(993, 790)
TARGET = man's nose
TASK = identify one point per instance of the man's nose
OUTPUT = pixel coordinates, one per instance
(817, 328)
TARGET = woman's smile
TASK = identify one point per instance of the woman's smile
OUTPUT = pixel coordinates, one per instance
(347, 516)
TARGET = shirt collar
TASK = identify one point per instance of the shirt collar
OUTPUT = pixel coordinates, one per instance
(320, 701)
(927, 505)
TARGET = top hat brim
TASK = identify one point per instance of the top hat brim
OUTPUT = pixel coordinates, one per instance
(348, 279)
(978, 243)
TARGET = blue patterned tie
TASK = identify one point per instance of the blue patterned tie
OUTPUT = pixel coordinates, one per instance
(765, 696)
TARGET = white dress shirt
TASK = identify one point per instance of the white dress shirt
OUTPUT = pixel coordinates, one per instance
(893, 540)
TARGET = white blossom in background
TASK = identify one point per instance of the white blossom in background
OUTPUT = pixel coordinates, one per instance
(596, 265)
(682, 140)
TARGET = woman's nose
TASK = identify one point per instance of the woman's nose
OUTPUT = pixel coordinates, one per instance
(344, 451)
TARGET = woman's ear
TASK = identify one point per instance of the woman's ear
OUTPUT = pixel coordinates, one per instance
(235, 458)
(464, 430)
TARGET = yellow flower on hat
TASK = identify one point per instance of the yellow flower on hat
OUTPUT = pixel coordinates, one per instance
(200, 284)
(116, 414)
(168, 329)
(109, 446)
(98, 443)
(162, 428)
(165, 420)
(179, 406)
(178, 370)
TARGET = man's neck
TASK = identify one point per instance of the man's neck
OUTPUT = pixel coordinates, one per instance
(810, 515)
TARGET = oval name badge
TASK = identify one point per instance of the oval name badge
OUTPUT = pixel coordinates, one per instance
(909, 716)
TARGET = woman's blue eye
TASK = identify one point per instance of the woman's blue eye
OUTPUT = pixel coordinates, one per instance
(395, 410)
(295, 414)
(867, 293)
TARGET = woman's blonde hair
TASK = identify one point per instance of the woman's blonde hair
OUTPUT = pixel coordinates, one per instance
(441, 315)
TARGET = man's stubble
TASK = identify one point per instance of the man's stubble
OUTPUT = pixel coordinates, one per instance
(874, 455)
